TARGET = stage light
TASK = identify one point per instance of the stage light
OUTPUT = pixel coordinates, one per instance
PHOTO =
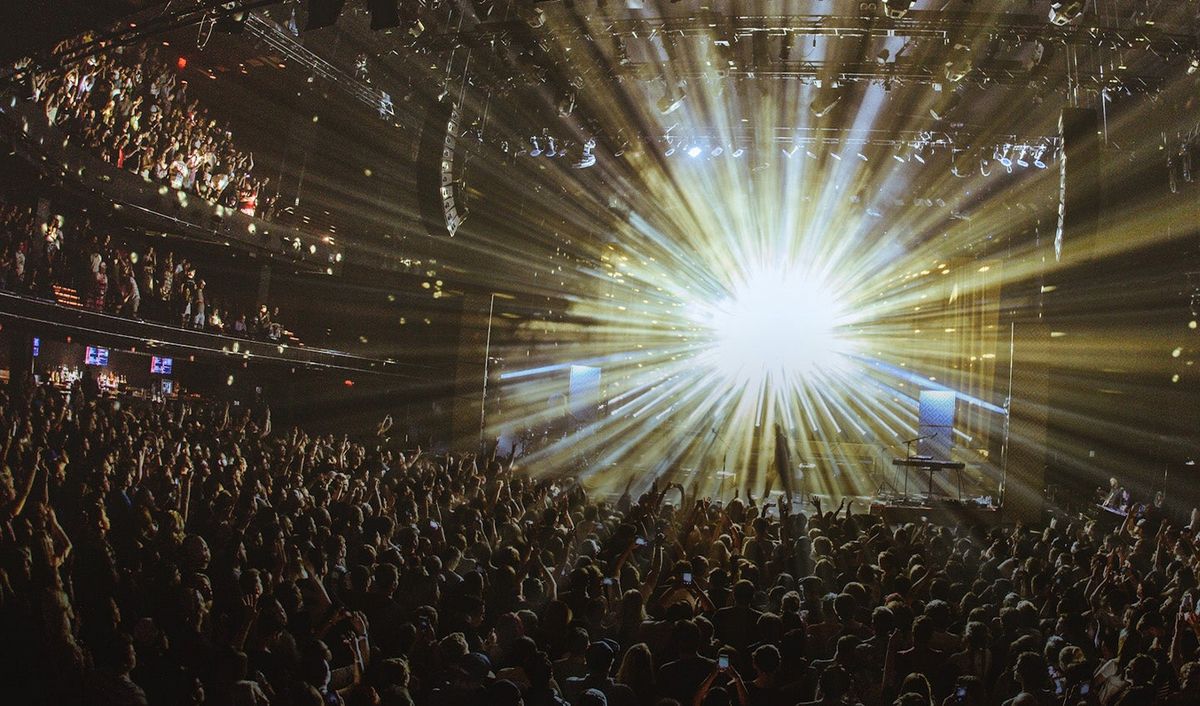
(231, 20)
(941, 110)
(1001, 155)
(1021, 157)
(671, 100)
(1065, 11)
(1037, 157)
(896, 9)
(694, 151)
(824, 102)
(589, 157)
(776, 325)
(535, 17)
(959, 64)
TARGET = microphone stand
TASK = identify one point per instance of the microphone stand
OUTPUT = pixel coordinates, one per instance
(909, 442)
(724, 455)
(908, 455)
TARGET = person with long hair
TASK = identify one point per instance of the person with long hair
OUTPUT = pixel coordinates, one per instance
(637, 673)
(632, 615)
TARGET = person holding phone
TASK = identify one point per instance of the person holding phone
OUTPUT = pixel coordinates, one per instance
(723, 676)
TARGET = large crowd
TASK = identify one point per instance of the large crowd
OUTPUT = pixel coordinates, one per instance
(191, 553)
(112, 276)
(130, 106)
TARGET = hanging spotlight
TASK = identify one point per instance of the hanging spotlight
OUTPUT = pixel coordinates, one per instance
(589, 156)
(896, 9)
(672, 99)
(535, 17)
(1065, 11)
(959, 63)
(1002, 156)
(824, 102)
(1037, 157)
(945, 105)
(231, 20)
(566, 105)
(1021, 157)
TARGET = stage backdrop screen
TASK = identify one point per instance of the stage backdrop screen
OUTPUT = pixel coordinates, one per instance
(936, 420)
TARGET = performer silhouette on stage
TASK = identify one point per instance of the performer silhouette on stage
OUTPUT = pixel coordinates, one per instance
(783, 463)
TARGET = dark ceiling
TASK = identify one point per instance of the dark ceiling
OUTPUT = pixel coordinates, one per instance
(953, 82)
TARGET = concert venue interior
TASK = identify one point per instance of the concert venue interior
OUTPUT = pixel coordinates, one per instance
(600, 352)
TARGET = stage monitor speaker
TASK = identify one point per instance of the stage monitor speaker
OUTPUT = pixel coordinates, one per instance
(1079, 186)
(936, 423)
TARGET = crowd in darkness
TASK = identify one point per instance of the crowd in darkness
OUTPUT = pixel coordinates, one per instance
(112, 277)
(190, 553)
(130, 106)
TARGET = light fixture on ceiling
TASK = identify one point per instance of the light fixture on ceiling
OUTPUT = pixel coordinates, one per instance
(824, 102)
(1037, 157)
(945, 104)
(589, 156)
(1065, 11)
(896, 9)
(1001, 155)
(672, 99)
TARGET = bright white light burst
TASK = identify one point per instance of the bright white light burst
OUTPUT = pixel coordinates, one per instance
(775, 326)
